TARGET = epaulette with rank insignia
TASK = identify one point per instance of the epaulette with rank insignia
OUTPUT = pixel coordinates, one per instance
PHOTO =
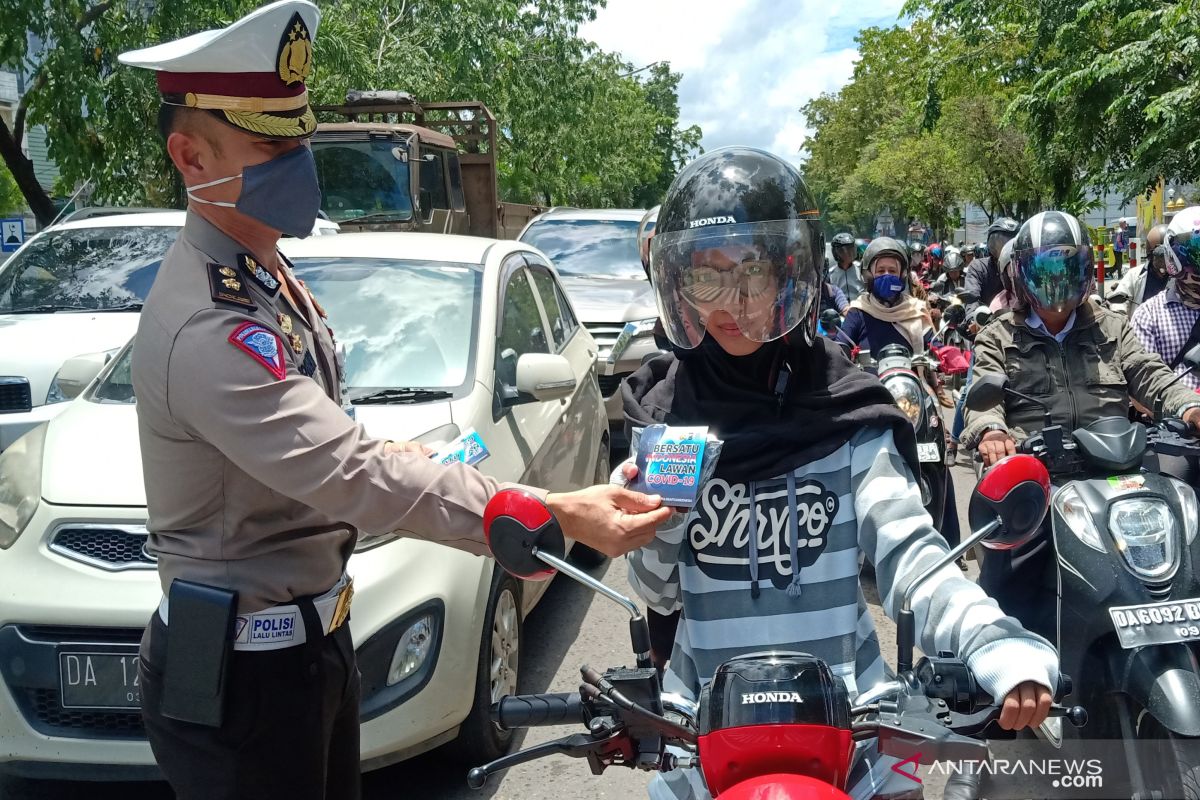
(227, 288)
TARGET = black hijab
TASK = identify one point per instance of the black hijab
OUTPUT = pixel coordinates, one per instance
(825, 400)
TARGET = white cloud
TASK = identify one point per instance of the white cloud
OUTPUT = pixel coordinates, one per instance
(748, 65)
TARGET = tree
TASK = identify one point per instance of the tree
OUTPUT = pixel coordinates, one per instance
(675, 146)
(1108, 90)
(555, 95)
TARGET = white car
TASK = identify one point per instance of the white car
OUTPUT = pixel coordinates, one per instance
(68, 301)
(595, 251)
(482, 336)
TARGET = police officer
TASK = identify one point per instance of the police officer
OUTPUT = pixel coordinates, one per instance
(257, 481)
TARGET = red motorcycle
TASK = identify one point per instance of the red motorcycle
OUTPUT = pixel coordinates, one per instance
(772, 725)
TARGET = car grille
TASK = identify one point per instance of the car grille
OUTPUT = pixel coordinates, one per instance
(112, 548)
(605, 334)
(14, 395)
(45, 706)
(611, 384)
(30, 671)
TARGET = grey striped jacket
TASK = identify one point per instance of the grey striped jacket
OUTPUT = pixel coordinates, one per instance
(802, 592)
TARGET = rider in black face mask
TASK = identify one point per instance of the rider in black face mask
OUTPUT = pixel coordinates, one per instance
(887, 313)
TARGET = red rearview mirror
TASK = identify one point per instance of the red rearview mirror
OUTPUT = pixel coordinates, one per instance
(1017, 492)
(514, 524)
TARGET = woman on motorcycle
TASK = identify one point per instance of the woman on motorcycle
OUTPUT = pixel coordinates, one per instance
(887, 313)
(817, 466)
(1081, 360)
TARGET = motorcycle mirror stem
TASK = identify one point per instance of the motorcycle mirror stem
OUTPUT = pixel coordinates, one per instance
(639, 630)
(906, 626)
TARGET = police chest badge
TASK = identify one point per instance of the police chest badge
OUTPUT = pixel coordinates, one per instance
(262, 345)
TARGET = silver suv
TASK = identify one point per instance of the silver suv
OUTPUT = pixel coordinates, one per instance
(596, 255)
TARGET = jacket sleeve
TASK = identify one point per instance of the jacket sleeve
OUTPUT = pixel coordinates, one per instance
(974, 283)
(951, 612)
(1148, 376)
(294, 439)
(854, 326)
(839, 300)
(654, 569)
(988, 360)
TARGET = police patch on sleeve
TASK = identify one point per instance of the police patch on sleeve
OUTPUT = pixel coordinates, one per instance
(262, 345)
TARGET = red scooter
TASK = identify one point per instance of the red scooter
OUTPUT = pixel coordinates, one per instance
(777, 725)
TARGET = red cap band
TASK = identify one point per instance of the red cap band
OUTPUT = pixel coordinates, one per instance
(232, 84)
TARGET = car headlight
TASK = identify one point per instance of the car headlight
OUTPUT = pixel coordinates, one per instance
(1071, 508)
(1190, 509)
(643, 326)
(412, 650)
(908, 396)
(55, 392)
(1145, 533)
(20, 484)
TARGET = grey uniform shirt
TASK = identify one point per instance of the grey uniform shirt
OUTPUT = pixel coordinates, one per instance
(256, 478)
(849, 280)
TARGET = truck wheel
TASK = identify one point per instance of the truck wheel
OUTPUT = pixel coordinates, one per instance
(480, 740)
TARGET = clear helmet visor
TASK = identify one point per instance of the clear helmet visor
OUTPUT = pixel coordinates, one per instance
(765, 275)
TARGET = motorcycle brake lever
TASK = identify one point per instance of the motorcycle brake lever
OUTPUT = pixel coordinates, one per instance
(927, 739)
(578, 745)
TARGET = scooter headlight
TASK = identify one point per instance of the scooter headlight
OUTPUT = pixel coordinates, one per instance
(908, 395)
(1071, 508)
(1146, 536)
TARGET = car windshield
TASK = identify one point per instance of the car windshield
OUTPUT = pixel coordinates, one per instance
(594, 248)
(84, 268)
(402, 322)
(363, 180)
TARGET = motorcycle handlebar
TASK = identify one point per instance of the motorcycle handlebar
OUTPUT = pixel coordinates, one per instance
(533, 710)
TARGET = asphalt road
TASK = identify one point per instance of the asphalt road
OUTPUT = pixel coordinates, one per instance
(570, 627)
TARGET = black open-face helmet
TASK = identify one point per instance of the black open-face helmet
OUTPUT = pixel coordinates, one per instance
(738, 232)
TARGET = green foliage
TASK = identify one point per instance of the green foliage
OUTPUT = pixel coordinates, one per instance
(1108, 91)
(919, 129)
(576, 125)
(11, 200)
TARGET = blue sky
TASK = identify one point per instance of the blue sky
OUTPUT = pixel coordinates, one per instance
(748, 65)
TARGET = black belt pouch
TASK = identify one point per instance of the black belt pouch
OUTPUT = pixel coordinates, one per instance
(199, 652)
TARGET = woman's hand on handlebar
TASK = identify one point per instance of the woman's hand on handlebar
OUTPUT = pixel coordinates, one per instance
(1192, 418)
(1026, 706)
(995, 445)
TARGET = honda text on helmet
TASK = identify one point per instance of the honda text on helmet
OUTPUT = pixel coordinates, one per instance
(1052, 258)
(888, 282)
(998, 233)
(738, 232)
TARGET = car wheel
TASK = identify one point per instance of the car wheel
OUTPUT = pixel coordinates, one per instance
(581, 554)
(480, 740)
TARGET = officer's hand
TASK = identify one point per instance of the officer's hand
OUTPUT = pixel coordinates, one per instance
(1192, 417)
(409, 447)
(1026, 706)
(995, 445)
(611, 519)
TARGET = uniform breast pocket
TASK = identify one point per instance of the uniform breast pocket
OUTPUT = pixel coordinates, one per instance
(1101, 364)
(1028, 371)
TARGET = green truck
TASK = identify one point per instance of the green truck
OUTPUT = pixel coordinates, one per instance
(387, 162)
